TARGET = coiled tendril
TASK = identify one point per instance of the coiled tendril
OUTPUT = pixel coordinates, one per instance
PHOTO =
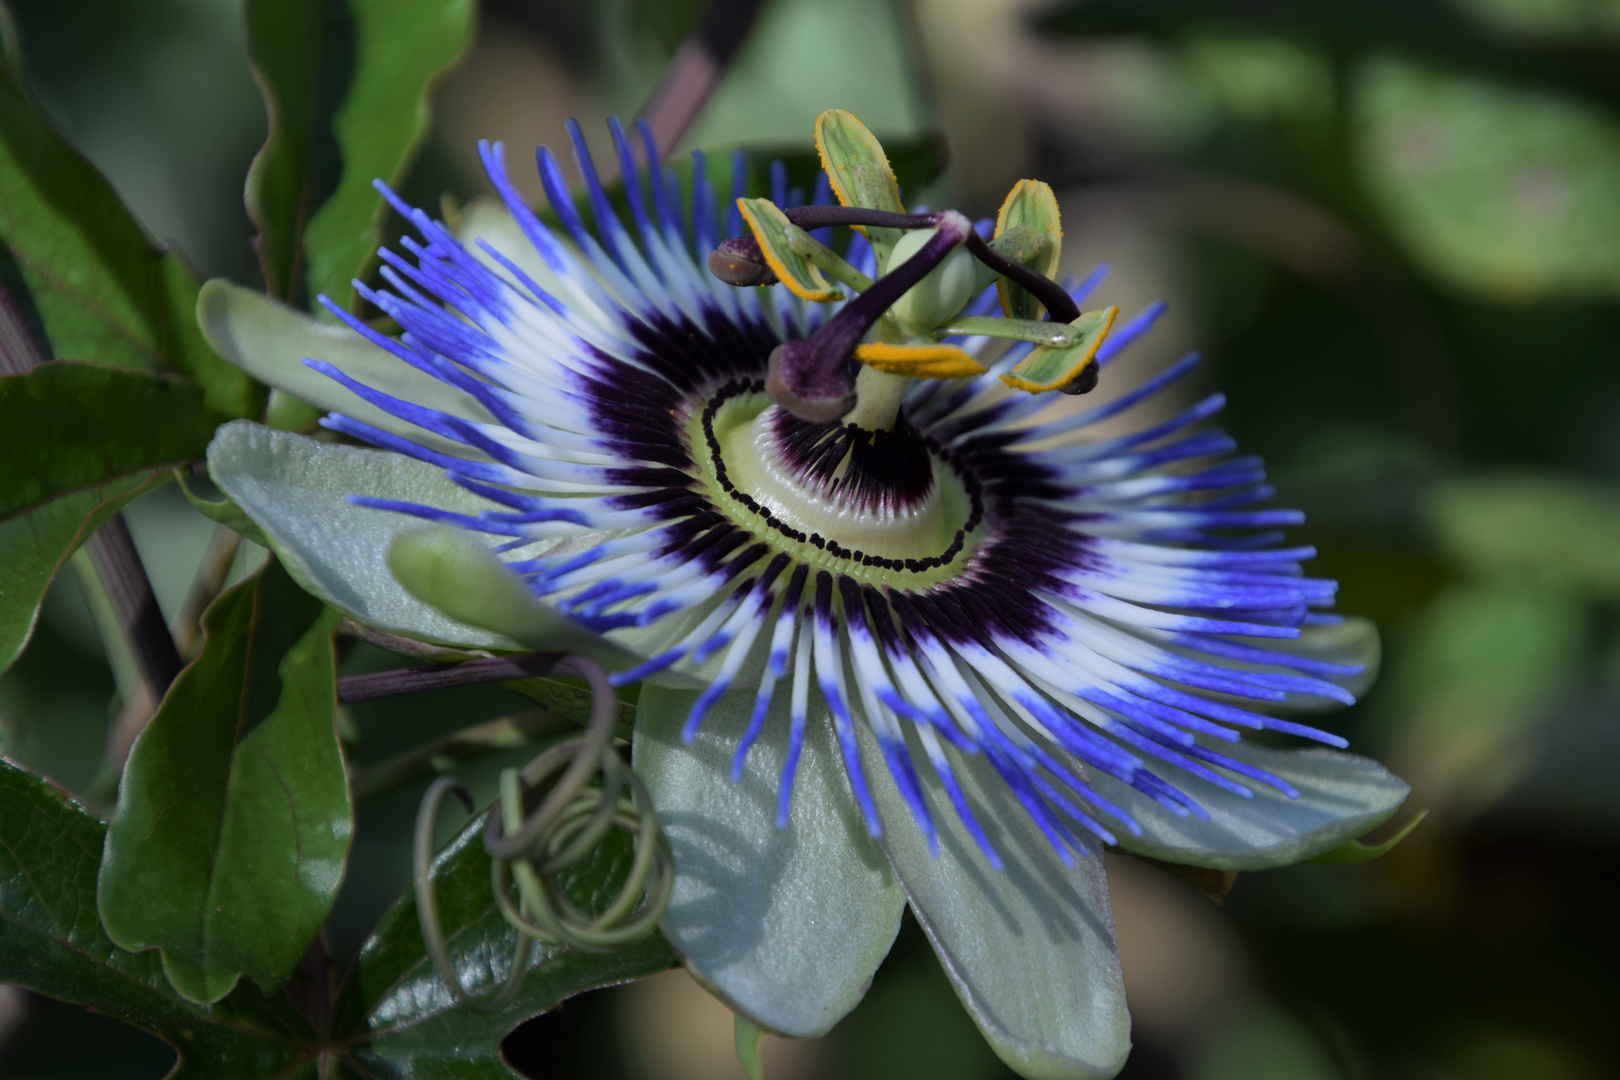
(583, 790)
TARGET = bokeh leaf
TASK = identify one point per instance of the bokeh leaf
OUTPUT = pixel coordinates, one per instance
(346, 84)
(786, 925)
(102, 291)
(1544, 529)
(233, 818)
(399, 1015)
(52, 942)
(1494, 189)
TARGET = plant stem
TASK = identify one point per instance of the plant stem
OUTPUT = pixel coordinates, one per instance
(414, 680)
(210, 579)
(111, 550)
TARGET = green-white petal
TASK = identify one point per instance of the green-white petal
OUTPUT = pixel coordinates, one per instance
(271, 341)
(785, 925)
(1341, 796)
(1030, 948)
(296, 490)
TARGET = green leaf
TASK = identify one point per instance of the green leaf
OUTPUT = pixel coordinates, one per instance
(52, 942)
(1541, 529)
(34, 546)
(457, 574)
(72, 425)
(271, 341)
(1030, 949)
(399, 1014)
(103, 292)
(346, 84)
(233, 819)
(296, 490)
(1341, 796)
(785, 925)
(1495, 190)
(403, 47)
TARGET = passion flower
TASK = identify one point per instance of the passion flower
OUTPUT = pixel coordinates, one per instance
(912, 630)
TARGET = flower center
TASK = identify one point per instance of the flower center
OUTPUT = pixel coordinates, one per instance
(882, 505)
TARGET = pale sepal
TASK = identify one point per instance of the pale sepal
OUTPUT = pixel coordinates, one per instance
(1341, 796)
(784, 925)
(1030, 948)
(271, 341)
(296, 490)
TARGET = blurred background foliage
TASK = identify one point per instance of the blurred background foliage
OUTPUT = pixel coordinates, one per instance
(1393, 226)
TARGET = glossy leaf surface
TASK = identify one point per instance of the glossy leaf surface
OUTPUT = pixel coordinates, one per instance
(233, 819)
(102, 291)
(1029, 948)
(786, 925)
(72, 425)
(396, 1010)
(51, 941)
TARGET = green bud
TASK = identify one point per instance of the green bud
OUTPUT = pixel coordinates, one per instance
(944, 292)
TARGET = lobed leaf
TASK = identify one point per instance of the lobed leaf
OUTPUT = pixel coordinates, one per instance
(71, 425)
(34, 546)
(52, 942)
(396, 1013)
(233, 819)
